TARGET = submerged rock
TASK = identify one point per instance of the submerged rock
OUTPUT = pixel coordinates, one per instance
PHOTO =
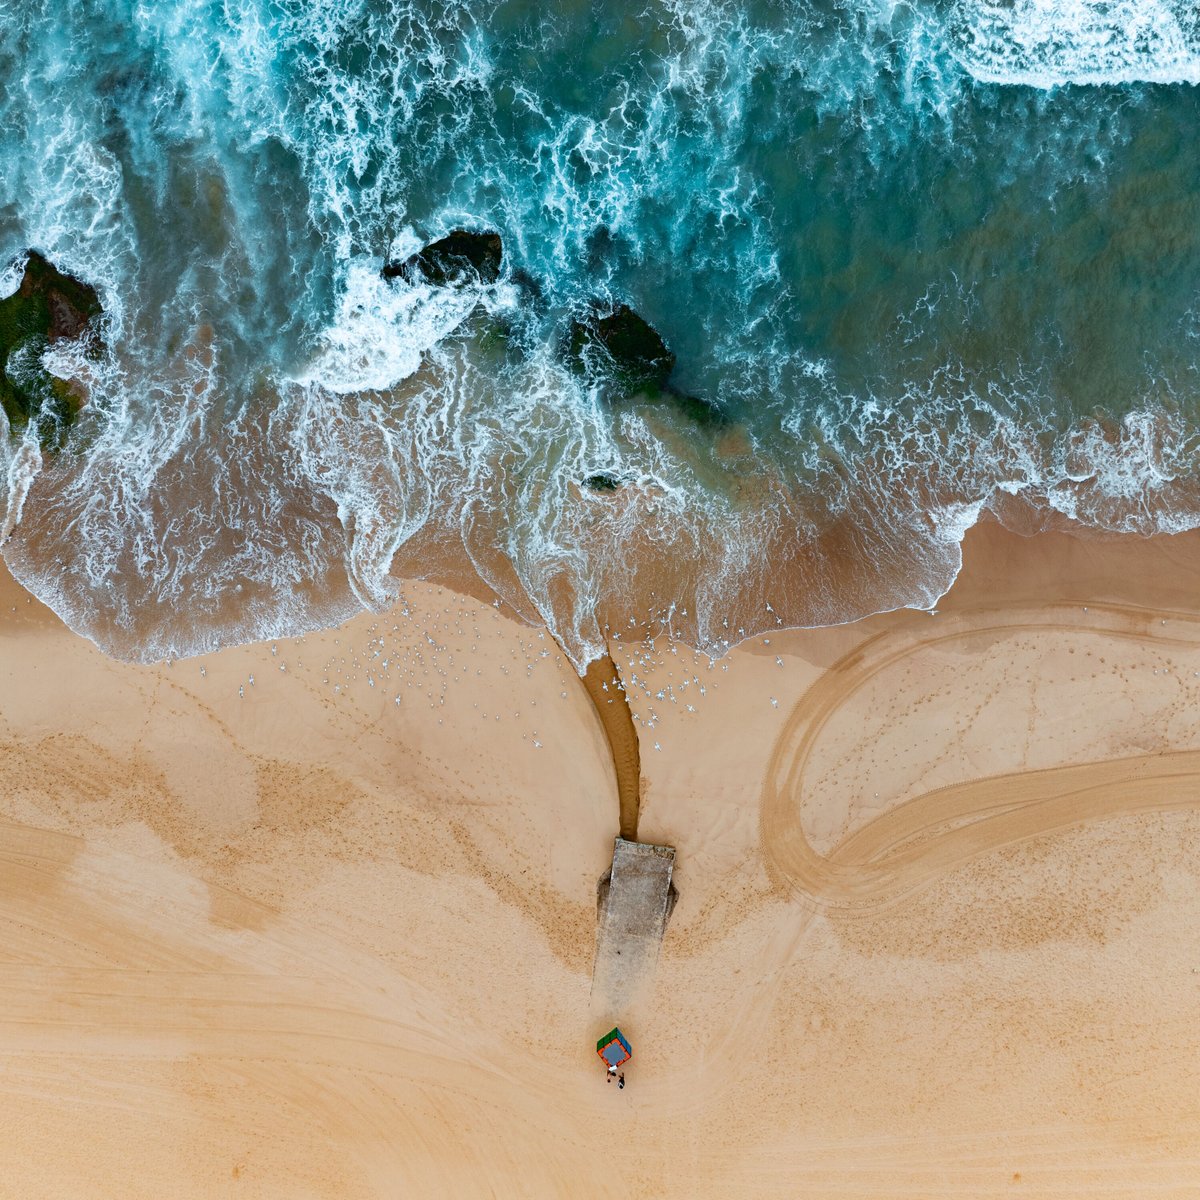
(697, 408)
(48, 307)
(603, 481)
(624, 346)
(460, 257)
(630, 351)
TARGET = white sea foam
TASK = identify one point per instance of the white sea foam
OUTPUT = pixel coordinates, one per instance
(1048, 43)
(10, 276)
(382, 328)
(1135, 478)
(23, 465)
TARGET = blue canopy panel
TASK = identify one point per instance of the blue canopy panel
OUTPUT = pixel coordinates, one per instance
(614, 1049)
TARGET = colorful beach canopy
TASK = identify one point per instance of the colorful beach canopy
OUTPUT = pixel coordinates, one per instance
(613, 1048)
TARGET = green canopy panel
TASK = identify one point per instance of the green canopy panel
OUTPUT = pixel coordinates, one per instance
(614, 1048)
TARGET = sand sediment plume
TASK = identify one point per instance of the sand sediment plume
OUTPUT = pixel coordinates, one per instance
(603, 684)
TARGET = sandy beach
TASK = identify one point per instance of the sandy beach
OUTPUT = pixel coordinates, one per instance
(316, 918)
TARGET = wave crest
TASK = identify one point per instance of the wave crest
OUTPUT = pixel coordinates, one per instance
(1049, 43)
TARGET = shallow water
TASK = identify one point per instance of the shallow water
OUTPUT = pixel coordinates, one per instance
(921, 260)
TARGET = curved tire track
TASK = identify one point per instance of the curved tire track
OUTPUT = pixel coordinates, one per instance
(910, 846)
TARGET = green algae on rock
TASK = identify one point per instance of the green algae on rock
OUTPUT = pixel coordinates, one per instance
(48, 306)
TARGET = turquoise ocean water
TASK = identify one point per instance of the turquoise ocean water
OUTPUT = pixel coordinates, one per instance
(918, 261)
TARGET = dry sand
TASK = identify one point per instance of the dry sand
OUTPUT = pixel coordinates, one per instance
(316, 919)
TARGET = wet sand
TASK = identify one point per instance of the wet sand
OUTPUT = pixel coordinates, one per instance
(268, 932)
(607, 692)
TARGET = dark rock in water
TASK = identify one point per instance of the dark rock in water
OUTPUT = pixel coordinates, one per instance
(459, 257)
(623, 345)
(48, 307)
(630, 351)
(603, 481)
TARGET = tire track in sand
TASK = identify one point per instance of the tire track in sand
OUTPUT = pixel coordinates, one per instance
(913, 844)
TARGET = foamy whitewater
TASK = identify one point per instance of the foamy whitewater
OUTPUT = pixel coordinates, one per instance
(919, 262)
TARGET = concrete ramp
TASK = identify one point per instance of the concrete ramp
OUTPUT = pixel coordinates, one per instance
(635, 900)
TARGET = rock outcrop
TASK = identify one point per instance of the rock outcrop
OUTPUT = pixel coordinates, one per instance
(613, 344)
(621, 344)
(460, 257)
(603, 481)
(626, 349)
(48, 307)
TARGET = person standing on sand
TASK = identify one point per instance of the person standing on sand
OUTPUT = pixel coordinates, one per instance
(621, 1080)
(612, 1070)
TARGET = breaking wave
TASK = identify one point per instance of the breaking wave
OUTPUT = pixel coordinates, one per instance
(1049, 43)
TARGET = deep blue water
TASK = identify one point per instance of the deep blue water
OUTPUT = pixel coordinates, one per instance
(918, 261)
